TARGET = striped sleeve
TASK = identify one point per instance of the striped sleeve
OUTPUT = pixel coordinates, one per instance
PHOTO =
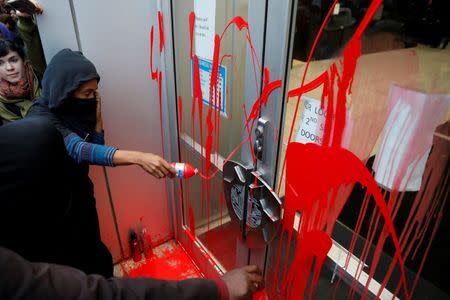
(95, 154)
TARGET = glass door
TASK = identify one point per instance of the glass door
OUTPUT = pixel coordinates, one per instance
(218, 47)
(363, 161)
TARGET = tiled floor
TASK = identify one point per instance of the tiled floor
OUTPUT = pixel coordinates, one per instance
(169, 261)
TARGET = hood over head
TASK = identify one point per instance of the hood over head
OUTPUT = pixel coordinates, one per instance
(64, 74)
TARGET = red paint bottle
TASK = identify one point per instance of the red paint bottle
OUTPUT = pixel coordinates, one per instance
(135, 248)
(184, 170)
(147, 245)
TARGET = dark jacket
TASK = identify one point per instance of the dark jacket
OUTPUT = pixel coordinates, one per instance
(64, 74)
(20, 279)
(47, 205)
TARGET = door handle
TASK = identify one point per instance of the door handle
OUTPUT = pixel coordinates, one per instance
(252, 204)
(258, 145)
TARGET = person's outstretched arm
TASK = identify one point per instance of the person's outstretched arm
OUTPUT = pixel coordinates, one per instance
(20, 279)
(97, 154)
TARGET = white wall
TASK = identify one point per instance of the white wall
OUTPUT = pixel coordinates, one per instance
(56, 27)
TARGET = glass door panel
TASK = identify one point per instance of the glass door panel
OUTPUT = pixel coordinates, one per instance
(210, 131)
(378, 175)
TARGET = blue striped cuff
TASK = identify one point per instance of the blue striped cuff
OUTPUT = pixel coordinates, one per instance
(95, 154)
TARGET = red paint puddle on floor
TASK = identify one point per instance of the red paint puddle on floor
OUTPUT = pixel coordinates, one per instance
(170, 262)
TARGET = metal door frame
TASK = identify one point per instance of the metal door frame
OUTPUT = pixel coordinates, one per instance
(277, 49)
(270, 25)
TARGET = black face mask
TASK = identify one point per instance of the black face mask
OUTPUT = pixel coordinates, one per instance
(80, 115)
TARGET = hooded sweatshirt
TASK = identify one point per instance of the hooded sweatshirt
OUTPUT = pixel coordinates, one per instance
(75, 119)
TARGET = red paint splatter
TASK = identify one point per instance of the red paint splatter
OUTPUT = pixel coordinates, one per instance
(198, 96)
(153, 73)
(312, 234)
(238, 21)
(157, 75)
(266, 76)
(213, 126)
(180, 113)
(208, 158)
(191, 32)
(161, 32)
(212, 103)
(313, 48)
(241, 24)
(172, 264)
(309, 194)
(260, 295)
(250, 139)
(262, 100)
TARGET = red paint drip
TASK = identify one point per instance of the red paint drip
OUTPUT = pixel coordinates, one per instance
(238, 21)
(198, 96)
(333, 131)
(225, 160)
(262, 100)
(308, 193)
(208, 158)
(241, 24)
(157, 75)
(266, 76)
(191, 31)
(313, 48)
(161, 32)
(260, 295)
(180, 113)
(249, 132)
(314, 186)
(153, 73)
(212, 103)
(217, 95)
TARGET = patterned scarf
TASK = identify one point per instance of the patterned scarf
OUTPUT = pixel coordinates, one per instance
(22, 89)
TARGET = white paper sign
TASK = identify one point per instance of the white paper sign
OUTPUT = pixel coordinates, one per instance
(313, 122)
(205, 27)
